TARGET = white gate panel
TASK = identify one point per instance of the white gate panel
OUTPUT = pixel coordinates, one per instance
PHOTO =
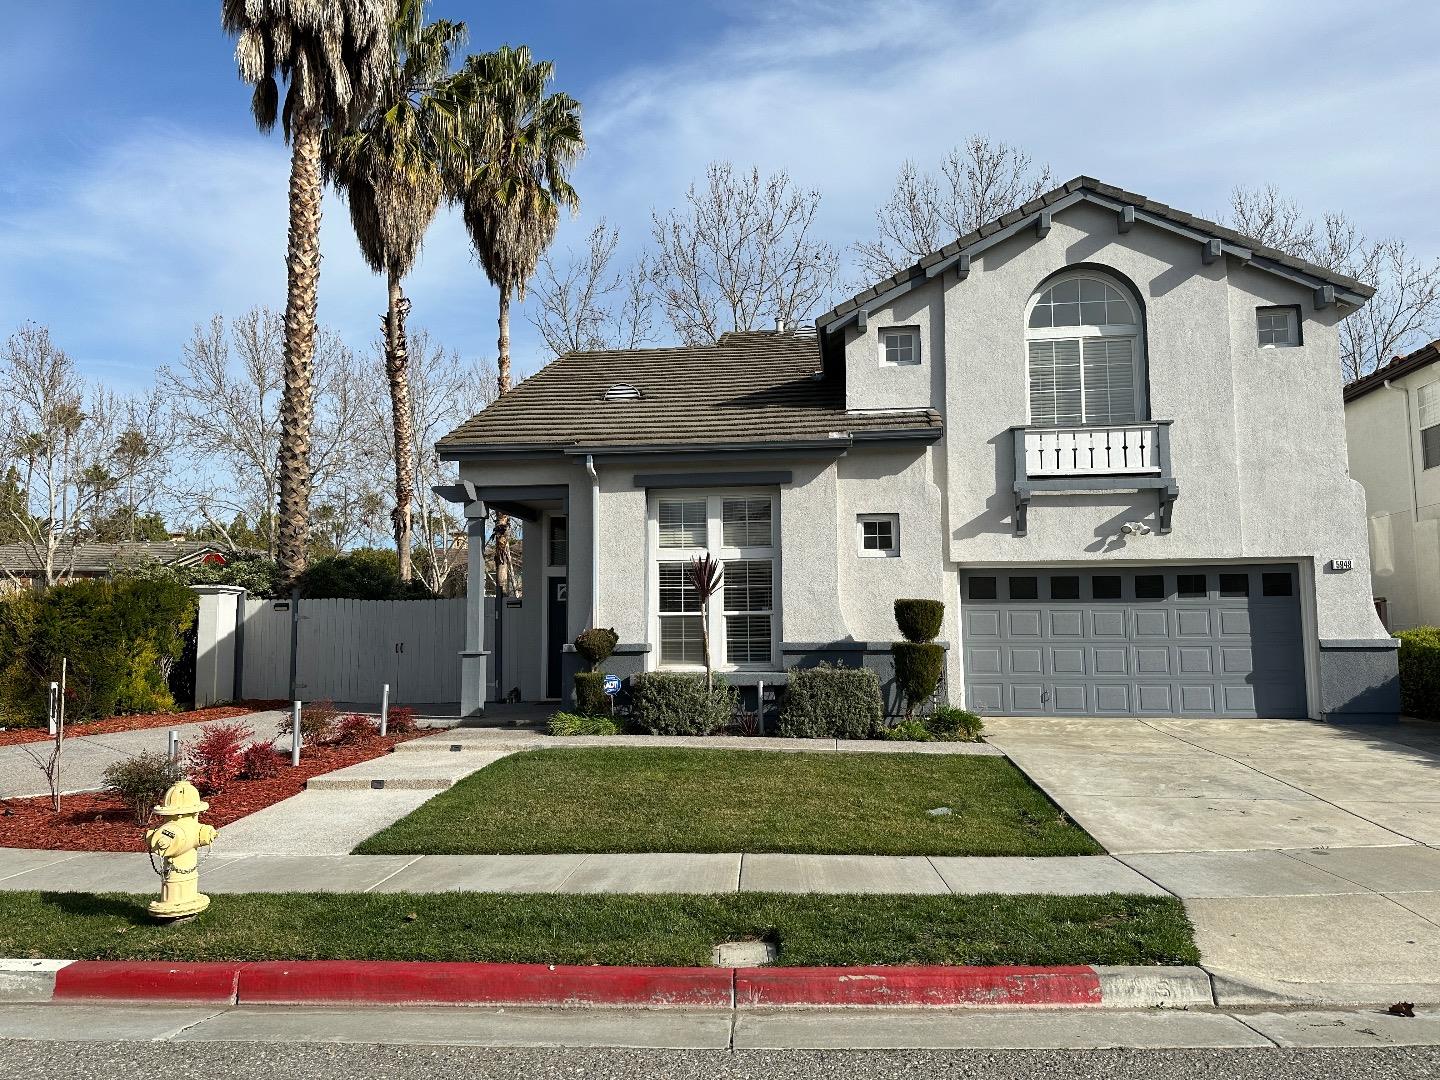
(265, 650)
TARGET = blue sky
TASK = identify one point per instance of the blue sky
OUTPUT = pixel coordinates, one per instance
(136, 197)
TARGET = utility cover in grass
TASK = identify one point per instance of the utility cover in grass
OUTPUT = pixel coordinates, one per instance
(635, 799)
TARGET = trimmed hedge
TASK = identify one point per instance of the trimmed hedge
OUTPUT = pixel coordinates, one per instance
(122, 638)
(918, 667)
(669, 703)
(827, 702)
(596, 645)
(1420, 672)
(590, 696)
(919, 620)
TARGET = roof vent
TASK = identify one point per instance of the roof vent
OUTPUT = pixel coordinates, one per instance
(623, 392)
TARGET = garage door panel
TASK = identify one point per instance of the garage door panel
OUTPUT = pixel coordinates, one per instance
(985, 697)
(1237, 660)
(1152, 660)
(1154, 700)
(1024, 623)
(1067, 623)
(1069, 660)
(1234, 622)
(1028, 698)
(1194, 660)
(982, 624)
(1025, 661)
(1071, 698)
(1113, 698)
(1152, 623)
(1194, 623)
(1197, 699)
(1108, 623)
(1110, 660)
(1239, 700)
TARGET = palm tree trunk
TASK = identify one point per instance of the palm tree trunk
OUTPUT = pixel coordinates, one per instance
(502, 521)
(297, 404)
(397, 370)
(504, 361)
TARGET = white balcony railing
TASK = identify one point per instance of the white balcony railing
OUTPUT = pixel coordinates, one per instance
(1116, 450)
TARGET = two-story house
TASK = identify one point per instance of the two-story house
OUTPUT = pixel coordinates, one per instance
(1392, 420)
(1106, 433)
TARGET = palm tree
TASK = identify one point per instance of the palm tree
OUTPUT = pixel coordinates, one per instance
(332, 55)
(390, 167)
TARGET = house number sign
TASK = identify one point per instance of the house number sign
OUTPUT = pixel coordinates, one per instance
(1342, 564)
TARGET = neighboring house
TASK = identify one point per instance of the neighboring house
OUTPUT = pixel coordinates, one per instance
(1106, 433)
(20, 568)
(1392, 420)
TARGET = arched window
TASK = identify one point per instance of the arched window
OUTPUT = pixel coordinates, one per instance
(1083, 340)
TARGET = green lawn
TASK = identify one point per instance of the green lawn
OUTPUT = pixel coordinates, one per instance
(579, 929)
(640, 799)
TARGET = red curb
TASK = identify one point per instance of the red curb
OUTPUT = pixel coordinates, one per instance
(146, 981)
(932, 986)
(421, 983)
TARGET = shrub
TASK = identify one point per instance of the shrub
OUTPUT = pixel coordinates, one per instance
(400, 720)
(596, 645)
(590, 696)
(913, 730)
(218, 755)
(918, 666)
(354, 729)
(317, 722)
(919, 620)
(367, 574)
(141, 781)
(954, 725)
(564, 723)
(260, 761)
(827, 702)
(669, 703)
(1420, 672)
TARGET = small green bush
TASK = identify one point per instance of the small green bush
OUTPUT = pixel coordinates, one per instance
(590, 696)
(596, 645)
(919, 620)
(913, 730)
(669, 703)
(918, 666)
(828, 702)
(317, 722)
(950, 724)
(141, 781)
(1420, 672)
(564, 723)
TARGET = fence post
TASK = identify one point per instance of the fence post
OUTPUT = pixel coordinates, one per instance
(295, 737)
(384, 710)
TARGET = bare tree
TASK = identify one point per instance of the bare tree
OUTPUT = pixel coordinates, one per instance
(585, 305)
(223, 401)
(979, 181)
(740, 255)
(63, 440)
(1405, 310)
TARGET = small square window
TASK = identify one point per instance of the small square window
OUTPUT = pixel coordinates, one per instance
(1277, 327)
(879, 535)
(1191, 585)
(1105, 587)
(1275, 584)
(900, 345)
(1234, 584)
(1024, 588)
(1149, 586)
(982, 588)
(1065, 588)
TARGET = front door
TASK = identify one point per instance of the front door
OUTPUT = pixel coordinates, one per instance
(556, 635)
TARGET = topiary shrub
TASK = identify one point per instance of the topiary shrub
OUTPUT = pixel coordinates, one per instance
(918, 666)
(670, 703)
(597, 645)
(590, 696)
(828, 702)
(141, 781)
(1420, 672)
(919, 620)
(950, 724)
(564, 723)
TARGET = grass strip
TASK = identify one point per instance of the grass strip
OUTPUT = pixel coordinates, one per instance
(583, 929)
(628, 799)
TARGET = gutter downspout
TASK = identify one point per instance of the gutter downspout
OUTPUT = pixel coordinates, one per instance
(1409, 449)
(595, 539)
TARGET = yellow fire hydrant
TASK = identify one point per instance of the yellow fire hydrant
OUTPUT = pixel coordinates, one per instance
(178, 843)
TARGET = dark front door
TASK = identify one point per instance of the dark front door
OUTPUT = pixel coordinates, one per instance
(556, 635)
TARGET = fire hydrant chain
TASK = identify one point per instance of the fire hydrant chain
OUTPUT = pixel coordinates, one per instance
(178, 843)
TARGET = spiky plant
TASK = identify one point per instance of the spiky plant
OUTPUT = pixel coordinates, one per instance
(707, 576)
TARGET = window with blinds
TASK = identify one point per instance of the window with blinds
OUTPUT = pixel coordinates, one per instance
(745, 523)
(682, 638)
(1083, 351)
(1428, 400)
(682, 523)
(749, 599)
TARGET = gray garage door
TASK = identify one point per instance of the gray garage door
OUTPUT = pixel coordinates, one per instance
(1141, 641)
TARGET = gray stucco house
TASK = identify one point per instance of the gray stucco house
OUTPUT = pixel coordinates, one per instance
(1108, 434)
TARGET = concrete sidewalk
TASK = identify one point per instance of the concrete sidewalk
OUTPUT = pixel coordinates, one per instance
(508, 740)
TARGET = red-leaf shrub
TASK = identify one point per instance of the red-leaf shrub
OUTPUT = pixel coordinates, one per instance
(259, 761)
(400, 720)
(355, 728)
(217, 756)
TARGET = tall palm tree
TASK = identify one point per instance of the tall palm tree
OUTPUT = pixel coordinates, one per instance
(390, 166)
(333, 56)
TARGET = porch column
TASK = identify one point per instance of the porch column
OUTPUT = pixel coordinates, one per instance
(475, 660)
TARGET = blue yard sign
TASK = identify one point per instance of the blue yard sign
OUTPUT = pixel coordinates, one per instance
(612, 684)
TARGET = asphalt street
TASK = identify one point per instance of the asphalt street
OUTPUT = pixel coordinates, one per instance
(250, 1061)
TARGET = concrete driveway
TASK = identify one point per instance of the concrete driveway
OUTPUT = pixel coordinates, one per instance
(1304, 852)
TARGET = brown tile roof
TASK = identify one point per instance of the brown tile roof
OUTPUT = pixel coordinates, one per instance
(1394, 369)
(1109, 191)
(748, 388)
(102, 558)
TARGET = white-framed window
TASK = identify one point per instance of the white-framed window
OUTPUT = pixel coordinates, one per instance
(899, 346)
(1428, 400)
(1085, 353)
(877, 536)
(741, 530)
(1277, 327)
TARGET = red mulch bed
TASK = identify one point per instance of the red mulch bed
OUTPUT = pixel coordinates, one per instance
(138, 722)
(98, 822)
